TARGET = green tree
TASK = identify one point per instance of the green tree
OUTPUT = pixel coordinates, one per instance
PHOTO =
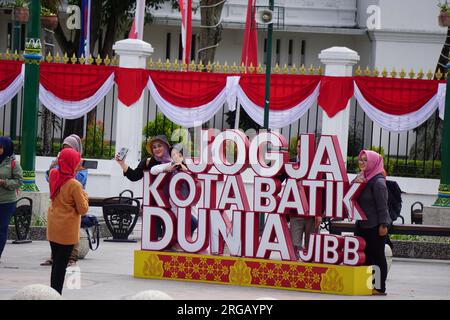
(211, 31)
(245, 122)
(161, 125)
(94, 144)
(109, 19)
(112, 18)
(429, 134)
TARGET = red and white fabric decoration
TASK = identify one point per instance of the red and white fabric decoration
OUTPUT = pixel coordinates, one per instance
(11, 80)
(186, 28)
(131, 83)
(290, 97)
(398, 104)
(70, 91)
(335, 93)
(190, 100)
(193, 98)
(442, 89)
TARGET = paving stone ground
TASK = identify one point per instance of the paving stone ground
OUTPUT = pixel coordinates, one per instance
(106, 274)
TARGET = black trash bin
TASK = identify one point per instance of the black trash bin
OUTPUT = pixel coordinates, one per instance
(120, 215)
(22, 220)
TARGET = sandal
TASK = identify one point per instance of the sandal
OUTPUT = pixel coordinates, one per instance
(375, 292)
(48, 262)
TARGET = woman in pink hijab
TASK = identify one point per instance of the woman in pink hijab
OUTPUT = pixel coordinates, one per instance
(373, 200)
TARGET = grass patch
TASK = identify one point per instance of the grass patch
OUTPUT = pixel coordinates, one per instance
(35, 221)
(406, 237)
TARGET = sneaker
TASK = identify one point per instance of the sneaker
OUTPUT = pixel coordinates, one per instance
(71, 263)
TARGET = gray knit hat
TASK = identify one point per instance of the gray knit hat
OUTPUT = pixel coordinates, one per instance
(74, 142)
(179, 147)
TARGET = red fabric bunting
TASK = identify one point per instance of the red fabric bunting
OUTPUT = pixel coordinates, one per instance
(131, 83)
(9, 71)
(286, 91)
(335, 92)
(396, 96)
(73, 82)
(188, 89)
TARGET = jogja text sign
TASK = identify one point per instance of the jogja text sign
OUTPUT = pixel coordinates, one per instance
(302, 196)
(331, 264)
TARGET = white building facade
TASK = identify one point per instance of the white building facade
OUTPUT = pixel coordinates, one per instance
(385, 33)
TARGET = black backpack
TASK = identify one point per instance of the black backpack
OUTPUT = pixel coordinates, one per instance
(394, 199)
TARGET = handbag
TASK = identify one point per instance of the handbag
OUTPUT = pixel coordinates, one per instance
(90, 224)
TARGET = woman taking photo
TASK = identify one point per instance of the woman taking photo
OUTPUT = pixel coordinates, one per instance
(159, 150)
(10, 180)
(373, 200)
(68, 203)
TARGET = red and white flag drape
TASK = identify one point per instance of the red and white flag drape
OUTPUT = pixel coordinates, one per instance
(192, 98)
(399, 104)
(11, 80)
(186, 28)
(290, 97)
(70, 91)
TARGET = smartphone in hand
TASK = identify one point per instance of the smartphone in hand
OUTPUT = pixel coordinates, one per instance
(122, 154)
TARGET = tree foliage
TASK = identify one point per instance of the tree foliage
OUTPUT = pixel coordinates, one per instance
(112, 18)
(429, 134)
(161, 125)
(211, 30)
(108, 19)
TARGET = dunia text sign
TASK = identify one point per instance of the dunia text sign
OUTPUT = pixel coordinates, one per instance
(216, 185)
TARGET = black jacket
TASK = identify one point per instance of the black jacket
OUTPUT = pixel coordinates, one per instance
(138, 173)
(283, 176)
(373, 200)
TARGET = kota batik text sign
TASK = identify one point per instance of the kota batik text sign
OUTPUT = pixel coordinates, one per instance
(315, 185)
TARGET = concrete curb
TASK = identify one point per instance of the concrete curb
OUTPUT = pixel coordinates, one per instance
(421, 250)
(402, 248)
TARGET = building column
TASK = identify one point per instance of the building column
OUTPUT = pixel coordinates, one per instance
(132, 53)
(339, 62)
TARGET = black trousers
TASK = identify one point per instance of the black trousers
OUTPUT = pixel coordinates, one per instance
(159, 227)
(60, 254)
(375, 253)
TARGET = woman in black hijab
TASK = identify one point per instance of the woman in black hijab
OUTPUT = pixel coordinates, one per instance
(10, 180)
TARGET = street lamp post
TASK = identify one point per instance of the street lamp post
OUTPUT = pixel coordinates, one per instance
(267, 91)
(268, 69)
(32, 57)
